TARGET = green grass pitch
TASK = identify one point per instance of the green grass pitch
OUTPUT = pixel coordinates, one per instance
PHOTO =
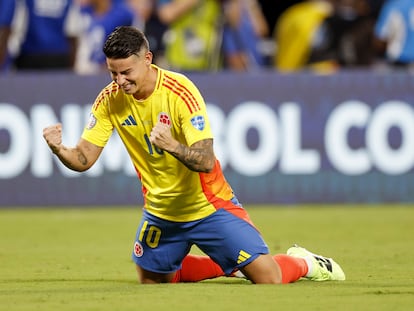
(79, 259)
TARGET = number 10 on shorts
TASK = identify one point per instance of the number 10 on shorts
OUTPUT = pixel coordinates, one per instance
(151, 236)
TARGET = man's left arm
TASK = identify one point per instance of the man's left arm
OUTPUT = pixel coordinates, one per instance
(198, 157)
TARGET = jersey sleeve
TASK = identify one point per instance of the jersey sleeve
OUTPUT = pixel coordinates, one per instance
(195, 121)
(99, 128)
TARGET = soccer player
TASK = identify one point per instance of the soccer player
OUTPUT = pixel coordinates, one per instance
(162, 120)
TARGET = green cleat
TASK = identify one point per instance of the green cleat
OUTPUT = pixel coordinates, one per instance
(320, 268)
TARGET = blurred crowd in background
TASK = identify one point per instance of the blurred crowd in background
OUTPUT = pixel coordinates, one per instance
(211, 35)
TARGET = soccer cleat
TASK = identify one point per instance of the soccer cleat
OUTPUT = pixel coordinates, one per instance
(320, 267)
(238, 274)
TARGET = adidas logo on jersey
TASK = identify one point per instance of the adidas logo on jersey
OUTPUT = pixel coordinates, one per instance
(129, 121)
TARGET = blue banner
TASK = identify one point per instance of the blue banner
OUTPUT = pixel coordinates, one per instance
(291, 138)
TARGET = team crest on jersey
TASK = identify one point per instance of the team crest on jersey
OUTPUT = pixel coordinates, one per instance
(198, 122)
(138, 250)
(91, 122)
(164, 118)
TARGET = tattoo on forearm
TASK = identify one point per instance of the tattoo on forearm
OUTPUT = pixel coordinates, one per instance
(75, 158)
(82, 159)
(199, 157)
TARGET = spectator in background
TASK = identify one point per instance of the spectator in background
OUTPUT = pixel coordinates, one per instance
(49, 29)
(150, 23)
(193, 38)
(330, 35)
(143, 9)
(7, 9)
(350, 33)
(243, 34)
(298, 34)
(394, 32)
(99, 19)
(273, 9)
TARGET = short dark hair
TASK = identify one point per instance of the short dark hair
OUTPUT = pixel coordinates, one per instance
(125, 41)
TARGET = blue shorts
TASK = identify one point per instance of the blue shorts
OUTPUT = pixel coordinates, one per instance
(161, 245)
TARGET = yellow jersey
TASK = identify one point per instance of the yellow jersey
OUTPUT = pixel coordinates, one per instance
(171, 190)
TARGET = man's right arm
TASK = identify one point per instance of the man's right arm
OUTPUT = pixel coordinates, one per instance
(79, 158)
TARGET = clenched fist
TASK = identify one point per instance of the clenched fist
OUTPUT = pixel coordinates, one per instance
(161, 137)
(53, 136)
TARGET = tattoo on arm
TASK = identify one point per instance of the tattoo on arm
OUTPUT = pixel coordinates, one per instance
(82, 159)
(73, 158)
(199, 157)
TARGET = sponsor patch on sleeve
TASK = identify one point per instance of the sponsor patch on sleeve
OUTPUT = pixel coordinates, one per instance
(91, 122)
(198, 122)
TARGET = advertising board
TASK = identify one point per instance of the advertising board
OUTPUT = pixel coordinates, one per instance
(298, 138)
